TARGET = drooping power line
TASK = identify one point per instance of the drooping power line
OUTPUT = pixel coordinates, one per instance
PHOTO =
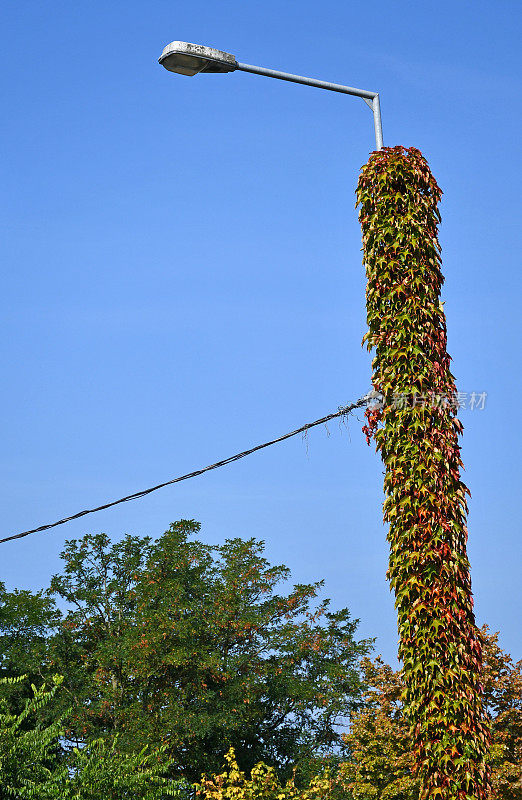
(343, 411)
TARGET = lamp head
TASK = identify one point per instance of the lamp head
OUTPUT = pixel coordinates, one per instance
(189, 59)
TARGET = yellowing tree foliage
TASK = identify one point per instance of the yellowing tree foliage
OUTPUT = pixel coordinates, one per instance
(382, 764)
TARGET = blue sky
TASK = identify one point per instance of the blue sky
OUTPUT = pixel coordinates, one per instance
(183, 277)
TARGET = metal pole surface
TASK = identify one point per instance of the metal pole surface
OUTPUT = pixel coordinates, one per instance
(332, 87)
(376, 108)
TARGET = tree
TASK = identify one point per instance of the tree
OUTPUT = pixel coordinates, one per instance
(31, 771)
(382, 760)
(503, 695)
(26, 622)
(182, 644)
(103, 770)
(28, 763)
(381, 764)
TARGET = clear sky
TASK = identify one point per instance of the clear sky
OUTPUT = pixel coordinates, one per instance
(183, 276)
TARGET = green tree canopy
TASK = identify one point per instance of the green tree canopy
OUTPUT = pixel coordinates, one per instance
(30, 770)
(26, 622)
(196, 648)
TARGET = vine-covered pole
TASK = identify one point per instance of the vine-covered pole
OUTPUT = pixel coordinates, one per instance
(416, 430)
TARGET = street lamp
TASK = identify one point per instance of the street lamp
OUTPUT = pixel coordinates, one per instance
(190, 59)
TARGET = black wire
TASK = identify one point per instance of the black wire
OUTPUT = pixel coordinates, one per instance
(343, 410)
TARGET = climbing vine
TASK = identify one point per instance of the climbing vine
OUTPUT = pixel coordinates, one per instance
(416, 430)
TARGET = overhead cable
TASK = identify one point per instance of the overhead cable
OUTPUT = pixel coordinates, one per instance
(343, 411)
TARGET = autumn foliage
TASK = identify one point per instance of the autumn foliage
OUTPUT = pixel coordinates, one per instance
(381, 757)
(416, 431)
(263, 783)
(380, 761)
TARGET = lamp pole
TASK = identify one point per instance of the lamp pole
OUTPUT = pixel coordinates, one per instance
(190, 59)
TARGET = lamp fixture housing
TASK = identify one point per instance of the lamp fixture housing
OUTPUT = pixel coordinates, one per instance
(190, 59)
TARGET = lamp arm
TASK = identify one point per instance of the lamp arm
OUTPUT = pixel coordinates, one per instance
(371, 98)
